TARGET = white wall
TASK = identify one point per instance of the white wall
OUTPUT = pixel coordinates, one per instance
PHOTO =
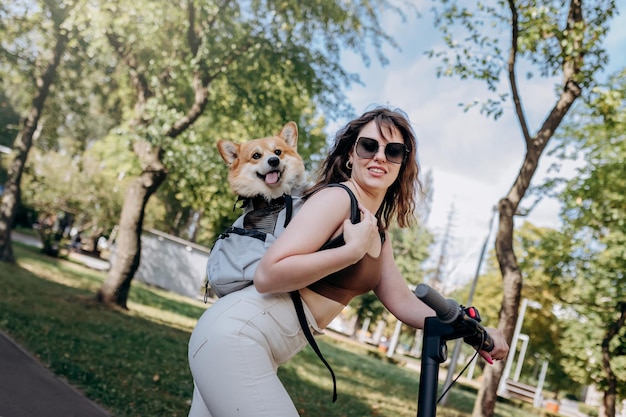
(172, 263)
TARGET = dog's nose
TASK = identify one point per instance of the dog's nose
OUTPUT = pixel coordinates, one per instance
(273, 161)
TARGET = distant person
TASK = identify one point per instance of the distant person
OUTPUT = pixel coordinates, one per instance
(239, 342)
(76, 242)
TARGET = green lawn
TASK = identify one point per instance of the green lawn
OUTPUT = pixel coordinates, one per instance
(134, 363)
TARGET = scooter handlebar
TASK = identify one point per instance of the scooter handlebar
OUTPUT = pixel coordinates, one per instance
(448, 311)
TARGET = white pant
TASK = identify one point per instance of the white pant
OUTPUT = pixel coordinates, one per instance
(234, 353)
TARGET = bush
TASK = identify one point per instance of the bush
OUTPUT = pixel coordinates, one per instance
(591, 411)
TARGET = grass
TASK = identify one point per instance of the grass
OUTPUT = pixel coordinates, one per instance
(134, 363)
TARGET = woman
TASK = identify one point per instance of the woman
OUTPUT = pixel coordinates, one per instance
(240, 341)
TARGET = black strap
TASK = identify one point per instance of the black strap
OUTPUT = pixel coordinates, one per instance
(297, 301)
(355, 217)
(288, 209)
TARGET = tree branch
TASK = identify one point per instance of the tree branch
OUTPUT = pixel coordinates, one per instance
(192, 38)
(571, 91)
(512, 78)
(201, 83)
(616, 326)
(201, 79)
(137, 77)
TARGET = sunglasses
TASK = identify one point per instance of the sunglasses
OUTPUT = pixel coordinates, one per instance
(366, 148)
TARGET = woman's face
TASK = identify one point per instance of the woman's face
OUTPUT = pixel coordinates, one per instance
(375, 165)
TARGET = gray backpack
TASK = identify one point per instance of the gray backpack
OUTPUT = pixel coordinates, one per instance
(237, 251)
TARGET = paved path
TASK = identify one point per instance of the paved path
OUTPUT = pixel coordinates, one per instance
(89, 261)
(28, 389)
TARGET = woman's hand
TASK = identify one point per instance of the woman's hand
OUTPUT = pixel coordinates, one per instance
(363, 236)
(500, 347)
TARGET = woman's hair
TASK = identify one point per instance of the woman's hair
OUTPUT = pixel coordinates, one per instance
(399, 202)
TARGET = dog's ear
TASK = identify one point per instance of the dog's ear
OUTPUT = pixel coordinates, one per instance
(289, 133)
(228, 150)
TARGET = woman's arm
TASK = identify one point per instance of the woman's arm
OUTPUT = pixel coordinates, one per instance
(293, 261)
(396, 296)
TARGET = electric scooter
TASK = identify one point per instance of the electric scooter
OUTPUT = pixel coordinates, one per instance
(452, 321)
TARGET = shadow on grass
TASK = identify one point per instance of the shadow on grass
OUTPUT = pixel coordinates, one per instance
(366, 386)
(76, 275)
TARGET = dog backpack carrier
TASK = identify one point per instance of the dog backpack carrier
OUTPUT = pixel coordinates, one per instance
(237, 251)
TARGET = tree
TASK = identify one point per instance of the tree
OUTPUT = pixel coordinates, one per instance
(9, 120)
(544, 326)
(590, 268)
(87, 188)
(559, 38)
(79, 109)
(180, 59)
(412, 245)
(48, 21)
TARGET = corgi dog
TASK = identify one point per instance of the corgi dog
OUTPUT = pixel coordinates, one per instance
(265, 168)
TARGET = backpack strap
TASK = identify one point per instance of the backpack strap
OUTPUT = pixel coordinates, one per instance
(297, 301)
(355, 215)
(288, 209)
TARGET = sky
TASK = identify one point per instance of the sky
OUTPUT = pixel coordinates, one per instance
(473, 159)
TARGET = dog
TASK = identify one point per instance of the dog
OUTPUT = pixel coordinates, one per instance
(265, 168)
(268, 175)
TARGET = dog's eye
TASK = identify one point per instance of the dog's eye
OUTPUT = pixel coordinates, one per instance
(256, 155)
(277, 152)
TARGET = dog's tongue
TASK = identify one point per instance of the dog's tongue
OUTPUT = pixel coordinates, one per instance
(271, 177)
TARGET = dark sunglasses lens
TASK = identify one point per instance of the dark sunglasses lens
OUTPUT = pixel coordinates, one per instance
(395, 152)
(366, 148)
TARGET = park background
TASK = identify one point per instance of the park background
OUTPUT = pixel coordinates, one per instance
(79, 165)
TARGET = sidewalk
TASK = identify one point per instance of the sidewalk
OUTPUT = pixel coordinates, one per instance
(88, 261)
(28, 389)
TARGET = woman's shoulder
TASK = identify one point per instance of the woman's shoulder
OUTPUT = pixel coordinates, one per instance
(328, 200)
(320, 217)
(331, 190)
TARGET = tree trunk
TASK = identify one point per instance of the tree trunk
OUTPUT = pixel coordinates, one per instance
(23, 143)
(116, 286)
(609, 398)
(511, 275)
(508, 206)
(610, 395)
(512, 288)
(485, 404)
